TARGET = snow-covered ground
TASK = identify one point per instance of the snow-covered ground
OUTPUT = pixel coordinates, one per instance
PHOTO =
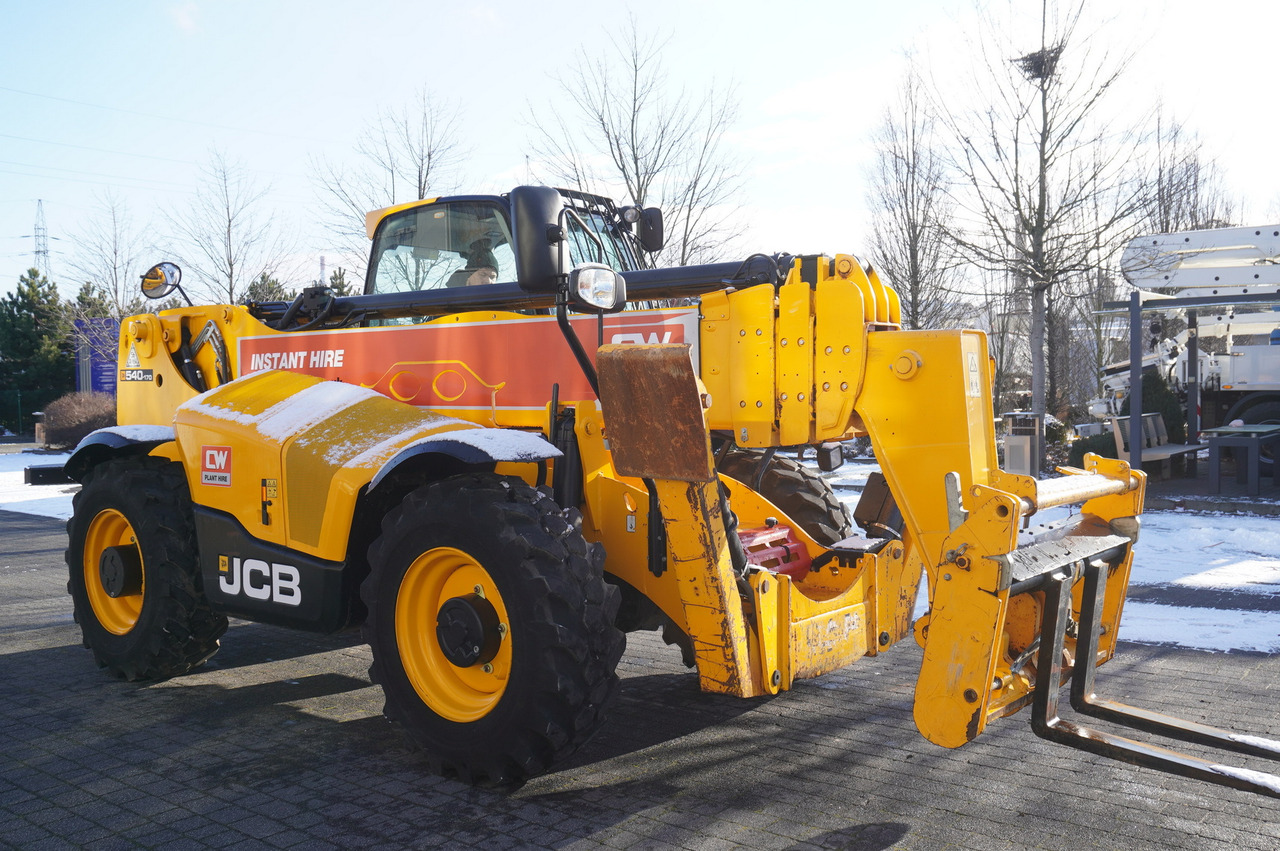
(1229, 560)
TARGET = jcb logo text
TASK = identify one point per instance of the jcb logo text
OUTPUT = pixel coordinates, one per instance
(257, 580)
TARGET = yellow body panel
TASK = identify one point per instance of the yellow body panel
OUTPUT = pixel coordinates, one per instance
(314, 443)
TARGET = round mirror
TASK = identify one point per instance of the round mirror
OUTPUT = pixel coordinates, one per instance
(161, 279)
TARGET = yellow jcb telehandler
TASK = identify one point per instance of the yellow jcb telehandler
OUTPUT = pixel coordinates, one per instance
(498, 481)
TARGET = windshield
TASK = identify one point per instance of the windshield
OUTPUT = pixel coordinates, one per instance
(435, 246)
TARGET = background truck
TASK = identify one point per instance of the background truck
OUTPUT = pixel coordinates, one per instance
(498, 482)
(1238, 345)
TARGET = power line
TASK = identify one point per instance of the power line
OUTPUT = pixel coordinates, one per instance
(95, 150)
(152, 115)
(88, 173)
(91, 182)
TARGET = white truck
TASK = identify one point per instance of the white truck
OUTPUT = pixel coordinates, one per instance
(1239, 378)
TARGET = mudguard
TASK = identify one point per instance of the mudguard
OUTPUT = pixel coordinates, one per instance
(104, 443)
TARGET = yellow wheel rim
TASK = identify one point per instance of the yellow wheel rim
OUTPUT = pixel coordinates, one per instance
(456, 693)
(118, 615)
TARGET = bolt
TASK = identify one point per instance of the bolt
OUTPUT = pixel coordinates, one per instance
(947, 577)
(970, 695)
(826, 385)
(488, 669)
(828, 350)
(776, 678)
(844, 385)
(502, 629)
(479, 591)
(884, 639)
(764, 587)
(784, 342)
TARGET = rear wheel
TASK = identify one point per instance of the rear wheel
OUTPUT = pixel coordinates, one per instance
(491, 626)
(796, 489)
(133, 572)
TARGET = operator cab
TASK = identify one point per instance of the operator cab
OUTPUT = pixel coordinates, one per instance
(441, 243)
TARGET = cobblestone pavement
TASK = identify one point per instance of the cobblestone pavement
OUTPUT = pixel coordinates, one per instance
(279, 742)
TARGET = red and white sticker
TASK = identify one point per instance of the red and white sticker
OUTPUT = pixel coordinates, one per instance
(215, 466)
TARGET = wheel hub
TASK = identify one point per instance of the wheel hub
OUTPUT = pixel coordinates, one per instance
(120, 571)
(467, 630)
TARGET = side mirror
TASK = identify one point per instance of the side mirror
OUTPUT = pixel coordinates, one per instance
(596, 287)
(650, 231)
(536, 212)
(161, 279)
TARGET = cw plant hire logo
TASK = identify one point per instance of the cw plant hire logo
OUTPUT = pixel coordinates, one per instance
(215, 466)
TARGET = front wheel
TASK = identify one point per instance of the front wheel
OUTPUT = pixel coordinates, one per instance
(491, 626)
(134, 576)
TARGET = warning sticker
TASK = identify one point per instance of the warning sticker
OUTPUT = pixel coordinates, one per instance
(132, 362)
(975, 376)
(215, 466)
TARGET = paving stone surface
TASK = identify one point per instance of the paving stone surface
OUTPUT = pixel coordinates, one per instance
(279, 742)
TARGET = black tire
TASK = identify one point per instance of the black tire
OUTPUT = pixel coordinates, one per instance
(159, 623)
(797, 490)
(550, 670)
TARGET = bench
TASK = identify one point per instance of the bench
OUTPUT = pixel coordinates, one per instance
(1155, 443)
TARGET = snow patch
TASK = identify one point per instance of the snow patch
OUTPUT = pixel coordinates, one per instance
(1269, 781)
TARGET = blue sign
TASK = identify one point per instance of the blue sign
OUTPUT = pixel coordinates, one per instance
(97, 344)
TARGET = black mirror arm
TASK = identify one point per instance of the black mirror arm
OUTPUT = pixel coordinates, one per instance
(579, 352)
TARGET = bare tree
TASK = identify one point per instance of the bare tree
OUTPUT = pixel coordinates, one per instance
(110, 257)
(408, 154)
(1046, 178)
(1184, 189)
(228, 239)
(910, 206)
(665, 147)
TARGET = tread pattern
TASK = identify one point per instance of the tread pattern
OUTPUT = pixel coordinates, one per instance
(800, 492)
(177, 629)
(567, 648)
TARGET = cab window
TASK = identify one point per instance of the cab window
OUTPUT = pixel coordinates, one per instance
(583, 249)
(442, 245)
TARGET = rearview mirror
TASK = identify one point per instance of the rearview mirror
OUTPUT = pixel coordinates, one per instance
(650, 235)
(161, 279)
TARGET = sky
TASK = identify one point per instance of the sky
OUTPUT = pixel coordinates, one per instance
(1177, 550)
(133, 98)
